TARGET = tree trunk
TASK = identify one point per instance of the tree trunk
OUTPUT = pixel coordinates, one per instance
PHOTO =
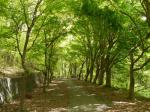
(22, 83)
(108, 77)
(45, 72)
(102, 70)
(101, 77)
(75, 70)
(70, 69)
(108, 71)
(132, 80)
(81, 69)
(65, 71)
(49, 70)
(44, 83)
(87, 69)
(22, 93)
(51, 76)
(91, 72)
(97, 74)
(87, 74)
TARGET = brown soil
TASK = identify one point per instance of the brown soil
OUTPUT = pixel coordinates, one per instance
(78, 96)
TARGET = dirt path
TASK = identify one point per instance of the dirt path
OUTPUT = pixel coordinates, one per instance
(82, 101)
(77, 96)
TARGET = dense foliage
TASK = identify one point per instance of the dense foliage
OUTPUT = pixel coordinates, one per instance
(103, 42)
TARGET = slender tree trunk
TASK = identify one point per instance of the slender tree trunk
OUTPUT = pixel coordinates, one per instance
(102, 70)
(70, 70)
(81, 69)
(97, 71)
(91, 72)
(82, 76)
(49, 70)
(22, 94)
(132, 80)
(87, 70)
(87, 74)
(75, 70)
(44, 83)
(50, 79)
(97, 75)
(108, 77)
(108, 71)
(22, 83)
(45, 71)
(23, 62)
(101, 77)
(65, 71)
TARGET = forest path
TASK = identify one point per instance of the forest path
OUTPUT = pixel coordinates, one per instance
(72, 95)
(81, 100)
(87, 97)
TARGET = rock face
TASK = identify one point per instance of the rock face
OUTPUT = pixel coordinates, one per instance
(10, 81)
(10, 88)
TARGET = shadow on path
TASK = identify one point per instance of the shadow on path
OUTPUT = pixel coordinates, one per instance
(83, 101)
(71, 95)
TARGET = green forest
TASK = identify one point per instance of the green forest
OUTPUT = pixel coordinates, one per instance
(75, 55)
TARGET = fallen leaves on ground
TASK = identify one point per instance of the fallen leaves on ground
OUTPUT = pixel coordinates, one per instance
(118, 97)
(56, 99)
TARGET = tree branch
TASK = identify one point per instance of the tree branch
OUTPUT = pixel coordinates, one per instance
(24, 13)
(16, 33)
(143, 51)
(38, 32)
(34, 16)
(143, 65)
(54, 39)
(139, 32)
